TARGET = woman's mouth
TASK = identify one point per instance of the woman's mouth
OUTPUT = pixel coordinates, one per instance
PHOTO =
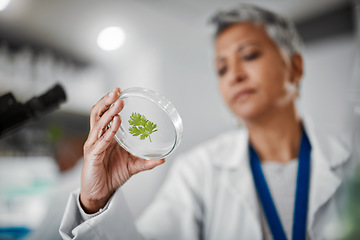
(243, 95)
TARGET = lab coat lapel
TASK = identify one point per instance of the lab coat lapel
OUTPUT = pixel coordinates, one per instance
(238, 178)
(241, 184)
(323, 184)
(327, 155)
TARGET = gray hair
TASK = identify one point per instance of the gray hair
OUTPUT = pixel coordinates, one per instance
(281, 30)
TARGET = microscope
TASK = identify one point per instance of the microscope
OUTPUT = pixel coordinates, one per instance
(14, 114)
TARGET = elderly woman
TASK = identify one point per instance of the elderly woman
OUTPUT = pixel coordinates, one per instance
(275, 178)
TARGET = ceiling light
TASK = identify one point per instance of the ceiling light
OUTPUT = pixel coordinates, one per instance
(111, 38)
(4, 4)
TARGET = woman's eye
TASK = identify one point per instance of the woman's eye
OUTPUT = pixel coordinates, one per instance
(251, 56)
(222, 71)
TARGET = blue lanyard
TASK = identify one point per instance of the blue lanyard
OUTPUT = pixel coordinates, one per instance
(301, 198)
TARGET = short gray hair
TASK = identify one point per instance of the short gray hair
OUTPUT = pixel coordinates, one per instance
(281, 30)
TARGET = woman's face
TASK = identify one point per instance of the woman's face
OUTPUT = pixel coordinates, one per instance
(254, 77)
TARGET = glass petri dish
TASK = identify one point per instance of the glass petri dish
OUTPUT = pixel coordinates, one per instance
(163, 139)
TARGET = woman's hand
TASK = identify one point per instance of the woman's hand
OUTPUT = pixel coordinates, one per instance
(107, 166)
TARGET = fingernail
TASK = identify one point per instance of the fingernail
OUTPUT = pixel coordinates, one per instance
(115, 91)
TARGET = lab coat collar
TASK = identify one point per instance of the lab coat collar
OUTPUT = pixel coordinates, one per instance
(235, 151)
(332, 149)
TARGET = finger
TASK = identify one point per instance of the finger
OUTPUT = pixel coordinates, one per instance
(102, 124)
(103, 105)
(150, 164)
(105, 140)
(144, 165)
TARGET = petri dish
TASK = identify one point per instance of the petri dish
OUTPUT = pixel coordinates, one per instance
(146, 141)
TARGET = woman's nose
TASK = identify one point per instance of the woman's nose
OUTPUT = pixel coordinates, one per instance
(237, 73)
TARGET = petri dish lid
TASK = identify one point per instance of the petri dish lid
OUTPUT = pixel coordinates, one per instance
(151, 128)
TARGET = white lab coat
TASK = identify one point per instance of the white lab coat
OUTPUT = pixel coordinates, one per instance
(209, 194)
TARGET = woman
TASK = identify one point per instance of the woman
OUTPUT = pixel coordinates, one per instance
(243, 184)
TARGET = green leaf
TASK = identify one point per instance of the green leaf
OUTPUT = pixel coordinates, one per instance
(141, 126)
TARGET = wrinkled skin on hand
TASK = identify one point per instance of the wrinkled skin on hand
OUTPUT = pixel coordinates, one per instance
(107, 166)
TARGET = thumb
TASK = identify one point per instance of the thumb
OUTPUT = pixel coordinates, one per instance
(150, 164)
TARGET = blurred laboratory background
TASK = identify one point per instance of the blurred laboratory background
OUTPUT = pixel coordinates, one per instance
(90, 47)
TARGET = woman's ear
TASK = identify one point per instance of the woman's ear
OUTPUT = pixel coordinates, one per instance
(297, 68)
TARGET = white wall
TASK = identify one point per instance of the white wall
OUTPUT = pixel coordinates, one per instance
(329, 68)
